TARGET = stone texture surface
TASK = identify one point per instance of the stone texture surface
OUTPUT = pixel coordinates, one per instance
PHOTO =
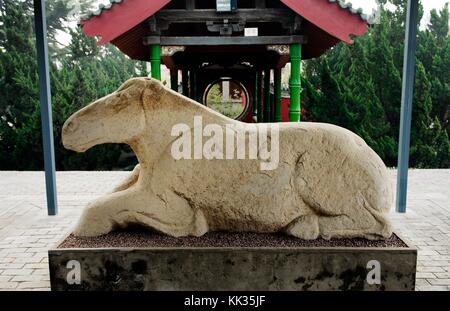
(231, 269)
(327, 183)
(25, 227)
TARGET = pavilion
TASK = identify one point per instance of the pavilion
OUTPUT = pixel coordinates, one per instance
(247, 41)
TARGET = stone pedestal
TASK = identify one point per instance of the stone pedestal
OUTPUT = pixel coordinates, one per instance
(234, 268)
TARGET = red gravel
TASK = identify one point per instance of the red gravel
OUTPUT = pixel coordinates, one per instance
(136, 239)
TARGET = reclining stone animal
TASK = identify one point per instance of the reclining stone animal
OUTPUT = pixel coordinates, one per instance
(328, 183)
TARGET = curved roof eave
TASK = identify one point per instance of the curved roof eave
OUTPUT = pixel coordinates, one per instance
(336, 17)
(116, 18)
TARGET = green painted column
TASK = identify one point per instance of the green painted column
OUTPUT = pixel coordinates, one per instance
(277, 94)
(259, 100)
(185, 82)
(155, 61)
(267, 103)
(174, 80)
(295, 82)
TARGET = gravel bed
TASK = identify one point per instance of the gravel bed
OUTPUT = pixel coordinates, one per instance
(137, 239)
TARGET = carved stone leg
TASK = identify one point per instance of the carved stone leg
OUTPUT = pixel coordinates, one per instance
(304, 227)
(129, 181)
(361, 223)
(165, 212)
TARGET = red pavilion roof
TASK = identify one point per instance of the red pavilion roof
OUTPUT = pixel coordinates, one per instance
(119, 17)
(330, 21)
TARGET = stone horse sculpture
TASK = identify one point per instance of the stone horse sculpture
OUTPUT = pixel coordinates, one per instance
(328, 183)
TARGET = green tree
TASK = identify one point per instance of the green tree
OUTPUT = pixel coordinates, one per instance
(355, 86)
(83, 73)
(19, 106)
(359, 87)
(434, 52)
(439, 23)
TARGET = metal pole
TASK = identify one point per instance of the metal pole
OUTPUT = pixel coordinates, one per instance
(155, 61)
(409, 62)
(295, 82)
(277, 94)
(46, 105)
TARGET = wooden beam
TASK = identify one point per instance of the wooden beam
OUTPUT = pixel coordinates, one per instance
(260, 4)
(248, 15)
(217, 40)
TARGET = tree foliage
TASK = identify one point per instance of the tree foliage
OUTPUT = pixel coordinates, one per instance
(83, 73)
(359, 87)
(355, 86)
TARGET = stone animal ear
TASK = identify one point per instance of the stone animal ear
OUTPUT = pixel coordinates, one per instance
(128, 83)
(152, 94)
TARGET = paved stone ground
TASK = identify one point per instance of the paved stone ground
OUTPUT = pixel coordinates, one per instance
(26, 232)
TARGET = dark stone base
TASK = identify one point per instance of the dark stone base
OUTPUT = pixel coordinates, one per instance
(234, 268)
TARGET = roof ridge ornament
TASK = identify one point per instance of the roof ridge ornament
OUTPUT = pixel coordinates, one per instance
(102, 7)
(370, 19)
